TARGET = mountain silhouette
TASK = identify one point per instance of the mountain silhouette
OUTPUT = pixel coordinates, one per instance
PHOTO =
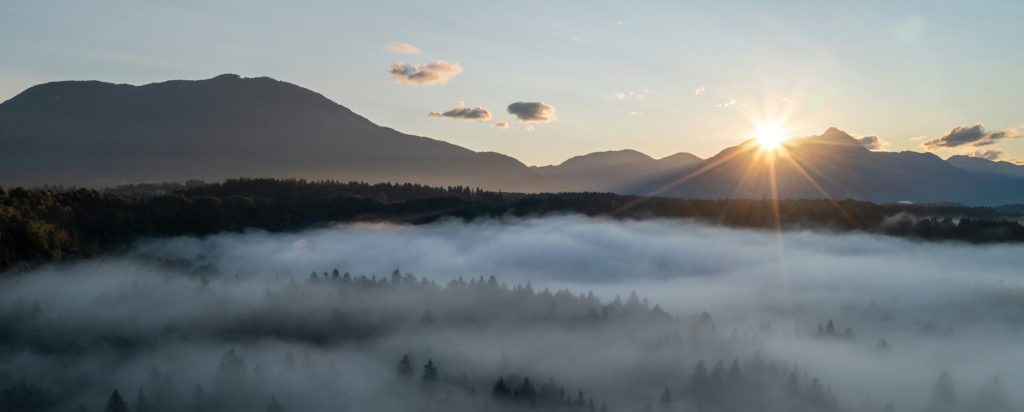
(986, 168)
(99, 134)
(90, 133)
(616, 171)
(832, 164)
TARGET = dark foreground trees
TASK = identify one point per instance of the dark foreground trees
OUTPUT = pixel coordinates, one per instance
(44, 225)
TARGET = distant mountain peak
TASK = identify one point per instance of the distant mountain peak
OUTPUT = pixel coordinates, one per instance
(834, 136)
(227, 76)
(835, 132)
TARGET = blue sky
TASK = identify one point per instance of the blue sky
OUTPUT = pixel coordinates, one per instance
(907, 72)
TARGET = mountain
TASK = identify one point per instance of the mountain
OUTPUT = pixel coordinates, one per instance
(90, 133)
(99, 134)
(834, 165)
(616, 171)
(987, 168)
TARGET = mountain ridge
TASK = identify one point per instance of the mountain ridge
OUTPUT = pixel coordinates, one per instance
(92, 133)
(95, 133)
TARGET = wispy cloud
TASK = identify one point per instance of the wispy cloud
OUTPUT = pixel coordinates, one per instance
(403, 48)
(971, 136)
(461, 112)
(996, 155)
(631, 95)
(699, 90)
(731, 102)
(424, 74)
(500, 125)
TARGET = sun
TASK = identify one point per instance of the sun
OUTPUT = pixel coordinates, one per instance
(770, 136)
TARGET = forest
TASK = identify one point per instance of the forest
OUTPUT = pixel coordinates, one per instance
(335, 341)
(56, 223)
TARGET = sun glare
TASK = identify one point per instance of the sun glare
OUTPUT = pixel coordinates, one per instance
(770, 136)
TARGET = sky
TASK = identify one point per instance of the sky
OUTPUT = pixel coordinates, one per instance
(660, 77)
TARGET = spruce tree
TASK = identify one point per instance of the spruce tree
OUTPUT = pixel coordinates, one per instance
(274, 405)
(116, 403)
(405, 366)
(429, 372)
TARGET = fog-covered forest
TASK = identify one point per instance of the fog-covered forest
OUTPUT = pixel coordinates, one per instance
(54, 224)
(556, 313)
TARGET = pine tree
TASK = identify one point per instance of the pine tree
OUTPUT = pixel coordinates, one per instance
(666, 399)
(405, 366)
(500, 389)
(699, 383)
(116, 403)
(526, 389)
(274, 405)
(429, 372)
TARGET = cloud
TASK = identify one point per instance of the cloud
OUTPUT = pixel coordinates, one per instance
(699, 90)
(636, 114)
(873, 142)
(532, 112)
(970, 136)
(630, 95)
(424, 74)
(996, 155)
(403, 48)
(461, 112)
(727, 104)
(501, 125)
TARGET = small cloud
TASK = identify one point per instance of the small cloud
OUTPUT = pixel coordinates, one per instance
(700, 90)
(873, 142)
(532, 112)
(461, 112)
(995, 155)
(403, 48)
(424, 74)
(501, 125)
(970, 136)
(636, 114)
(727, 104)
(632, 95)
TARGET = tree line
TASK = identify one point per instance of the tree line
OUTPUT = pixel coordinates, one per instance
(54, 224)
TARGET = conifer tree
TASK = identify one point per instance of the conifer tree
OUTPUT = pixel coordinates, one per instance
(116, 403)
(274, 405)
(429, 372)
(405, 366)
